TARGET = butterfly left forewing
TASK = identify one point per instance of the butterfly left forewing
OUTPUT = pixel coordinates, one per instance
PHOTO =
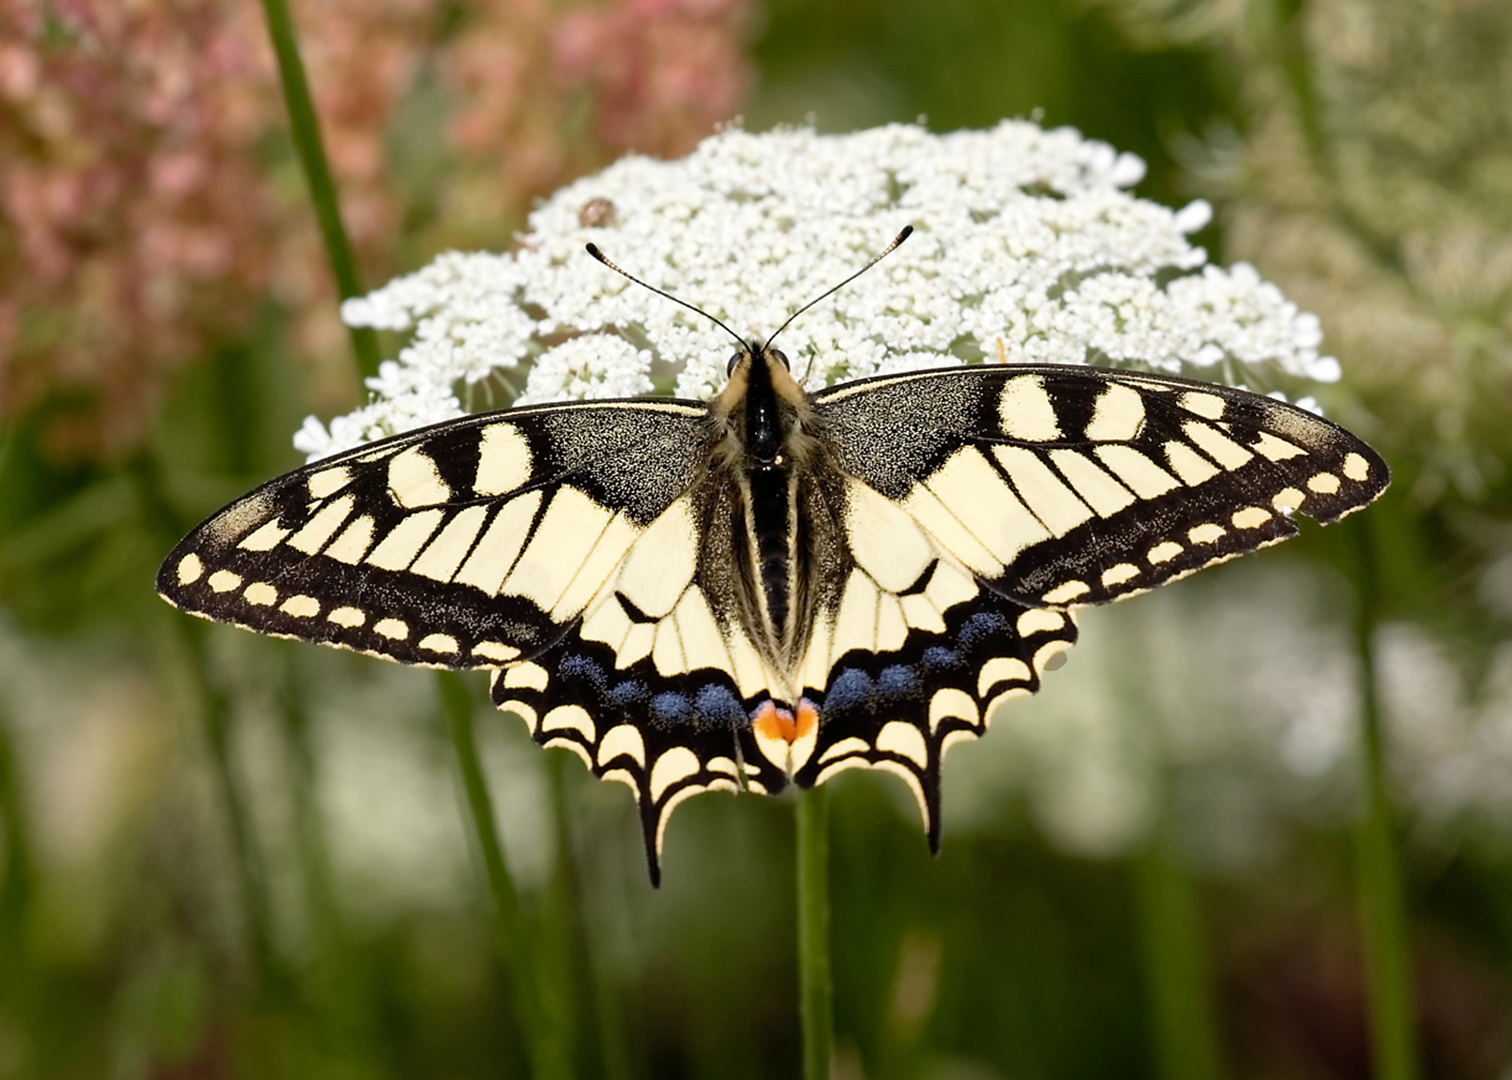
(472, 543)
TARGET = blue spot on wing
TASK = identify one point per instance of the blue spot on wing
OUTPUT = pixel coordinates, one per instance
(717, 705)
(849, 689)
(981, 626)
(897, 679)
(939, 658)
(630, 692)
(671, 708)
(582, 667)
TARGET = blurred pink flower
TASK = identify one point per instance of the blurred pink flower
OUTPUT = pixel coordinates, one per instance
(149, 203)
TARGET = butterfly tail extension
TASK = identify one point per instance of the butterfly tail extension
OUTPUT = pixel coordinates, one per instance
(901, 710)
(665, 739)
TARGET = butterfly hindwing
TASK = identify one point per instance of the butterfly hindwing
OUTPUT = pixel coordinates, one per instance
(1065, 486)
(472, 543)
(666, 736)
(901, 708)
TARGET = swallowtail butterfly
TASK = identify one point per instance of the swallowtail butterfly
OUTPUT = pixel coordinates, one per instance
(774, 585)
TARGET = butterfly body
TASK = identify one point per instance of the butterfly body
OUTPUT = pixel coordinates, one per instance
(773, 586)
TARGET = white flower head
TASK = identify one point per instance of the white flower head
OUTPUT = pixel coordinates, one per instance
(1027, 247)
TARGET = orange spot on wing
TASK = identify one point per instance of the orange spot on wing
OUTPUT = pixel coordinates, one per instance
(772, 721)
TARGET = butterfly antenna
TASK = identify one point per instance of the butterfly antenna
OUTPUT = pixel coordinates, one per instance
(884, 253)
(593, 250)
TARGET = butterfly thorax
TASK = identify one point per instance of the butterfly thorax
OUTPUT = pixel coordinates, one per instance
(766, 442)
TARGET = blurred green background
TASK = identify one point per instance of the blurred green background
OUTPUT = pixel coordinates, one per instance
(223, 856)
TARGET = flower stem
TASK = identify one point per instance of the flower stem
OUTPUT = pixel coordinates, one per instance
(1388, 966)
(215, 715)
(550, 1055)
(814, 988)
(305, 128)
(1175, 967)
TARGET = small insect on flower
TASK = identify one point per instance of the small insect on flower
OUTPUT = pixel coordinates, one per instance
(779, 583)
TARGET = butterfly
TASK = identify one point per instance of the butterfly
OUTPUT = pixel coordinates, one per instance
(773, 586)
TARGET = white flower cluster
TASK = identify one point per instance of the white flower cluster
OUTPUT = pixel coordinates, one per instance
(1028, 248)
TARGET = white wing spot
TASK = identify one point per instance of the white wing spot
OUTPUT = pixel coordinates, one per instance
(1275, 449)
(1356, 467)
(1188, 464)
(1118, 415)
(322, 526)
(503, 460)
(949, 703)
(1324, 483)
(1026, 411)
(1206, 533)
(189, 569)
(327, 482)
(1164, 551)
(495, 650)
(496, 552)
(1100, 491)
(445, 553)
(347, 616)
(1066, 592)
(1001, 669)
(526, 676)
(676, 765)
(1117, 575)
(404, 541)
(1251, 517)
(573, 717)
(886, 542)
(902, 738)
(1288, 499)
(439, 643)
(1216, 445)
(394, 629)
(266, 538)
(260, 593)
(1040, 621)
(224, 580)
(1145, 478)
(1049, 500)
(623, 739)
(353, 543)
(301, 606)
(414, 480)
(851, 745)
(1208, 405)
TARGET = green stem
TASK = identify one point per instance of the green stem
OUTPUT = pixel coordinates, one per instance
(550, 1057)
(305, 128)
(1176, 967)
(215, 716)
(1388, 965)
(814, 988)
(15, 857)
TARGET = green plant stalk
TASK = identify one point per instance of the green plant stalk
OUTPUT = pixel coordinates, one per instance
(252, 878)
(305, 129)
(815, 991)
(1175, 967)
(1388, 965)
(550, 1053)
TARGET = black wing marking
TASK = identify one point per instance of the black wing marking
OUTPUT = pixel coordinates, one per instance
(666, 737)
(1066, 486)
(901, 709)
(472, 543)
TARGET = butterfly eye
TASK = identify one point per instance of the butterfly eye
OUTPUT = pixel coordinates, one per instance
(735, 359)
(780, 355)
